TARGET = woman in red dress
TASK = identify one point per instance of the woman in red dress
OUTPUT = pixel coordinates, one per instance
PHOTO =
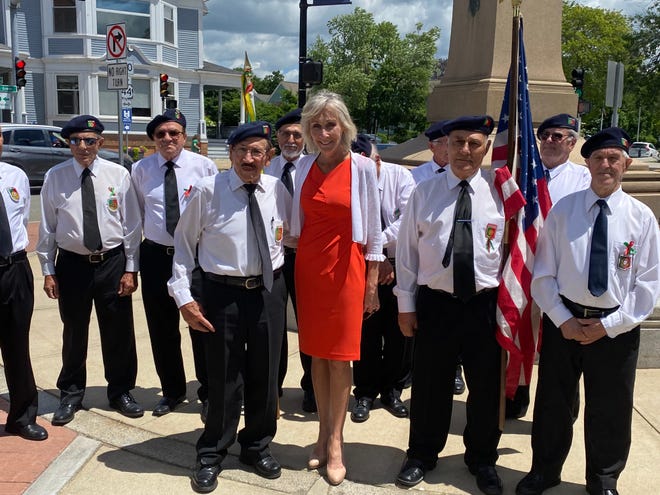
(336, 214)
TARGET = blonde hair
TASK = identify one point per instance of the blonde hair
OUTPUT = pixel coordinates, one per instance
(317, 104)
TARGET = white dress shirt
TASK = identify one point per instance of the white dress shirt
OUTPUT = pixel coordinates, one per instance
(561, 265)
(365, 204)
(426, 171)
(148, 177)
(425, 228)
(395, 185)
(277, 166)
(566, 179)
(15, 191)
(217, 218)
(117, 211)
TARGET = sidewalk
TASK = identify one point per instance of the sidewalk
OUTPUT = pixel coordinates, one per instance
(102, 452)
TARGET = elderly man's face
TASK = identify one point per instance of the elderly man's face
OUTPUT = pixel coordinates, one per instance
(249, 157)
(556, 146)
(467, 150)
(170, 137)
(85, 146)
(607, 166)
(290, 141)
(439, 149)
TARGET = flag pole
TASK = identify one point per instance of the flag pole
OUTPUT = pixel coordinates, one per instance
(511, 164)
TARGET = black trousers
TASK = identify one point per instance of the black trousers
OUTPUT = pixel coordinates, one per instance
(82, 284)
(16, 305)
(385, 353)
(242, 359)
(608, 366)
(305, 360)
(448, 328)
(163, 323)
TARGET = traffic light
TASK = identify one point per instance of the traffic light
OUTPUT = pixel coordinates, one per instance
(578, 80)
(312, 72)
(164, 87)
(19, 64)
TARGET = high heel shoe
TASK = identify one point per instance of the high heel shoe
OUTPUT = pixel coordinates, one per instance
(315, 461)
(335, 475)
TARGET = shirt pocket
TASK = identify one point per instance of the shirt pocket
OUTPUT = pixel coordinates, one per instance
(488, 236)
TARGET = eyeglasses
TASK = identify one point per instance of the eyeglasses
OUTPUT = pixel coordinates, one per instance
(88, 141)
(289, 134)
(173, 134)
(556, 137)
(256, 153)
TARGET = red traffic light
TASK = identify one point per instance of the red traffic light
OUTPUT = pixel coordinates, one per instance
(19, 65)
(164, 78)
(164, 86)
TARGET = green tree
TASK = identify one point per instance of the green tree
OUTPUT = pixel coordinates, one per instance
(383, 77)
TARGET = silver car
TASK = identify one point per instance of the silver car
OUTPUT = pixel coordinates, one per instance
(641, 149)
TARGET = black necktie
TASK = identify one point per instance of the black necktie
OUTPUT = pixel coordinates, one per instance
(6, 244)
(547, 175)
(286, 177)
(598, 255)
(460, 241)
(440, 170)
(91, 233)
(171, 199)
(260, 233)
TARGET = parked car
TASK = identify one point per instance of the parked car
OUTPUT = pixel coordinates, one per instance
(37, 148)
(641, 149)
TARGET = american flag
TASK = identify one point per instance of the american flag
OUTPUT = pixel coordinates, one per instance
(518, 319)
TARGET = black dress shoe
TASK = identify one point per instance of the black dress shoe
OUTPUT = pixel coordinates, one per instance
(488, 480)
(412, 473)
(602, 491)
(266, 467)
(360, 412)
(127, 406)
(205, 478)
(64, 414)
(166, 405)
(534, 483)
(459, 384)
(309, 401)
(29, 432)
(205, 411)
(395, 407)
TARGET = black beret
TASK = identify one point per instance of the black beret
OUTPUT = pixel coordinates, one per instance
(169, 115)
(82, 123)
(252, 129)
(561, 121)
(477, 123)
(293, 117)
(612, 137)
(435, 130)
(362, 144)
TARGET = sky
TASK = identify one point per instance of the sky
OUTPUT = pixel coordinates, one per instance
(269, 29)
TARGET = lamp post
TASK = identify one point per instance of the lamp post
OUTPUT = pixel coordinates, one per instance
(302, 58)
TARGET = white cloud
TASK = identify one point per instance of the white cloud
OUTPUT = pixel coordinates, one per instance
(268, 29)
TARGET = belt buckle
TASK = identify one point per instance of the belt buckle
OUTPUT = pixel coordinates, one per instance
(95, 258)
(252, 282)
(169, 250)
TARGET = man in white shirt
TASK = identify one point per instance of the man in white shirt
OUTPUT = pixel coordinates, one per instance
(385, 353)
(448, 272)
(291, 143)
(237, 222)
(163, 182)
(596, 278)
(17, 303)
(90, 221)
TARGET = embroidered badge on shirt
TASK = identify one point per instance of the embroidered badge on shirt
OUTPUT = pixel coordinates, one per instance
(113, 201)
(186, 192)
(491, 230)
(13, 194)
(625, 259)
(278, 229)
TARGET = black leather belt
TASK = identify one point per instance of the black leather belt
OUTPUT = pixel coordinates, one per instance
(93, 258)
(480, 293)
(13, 258)
(168, 250)
(248, 283)
(580, 311)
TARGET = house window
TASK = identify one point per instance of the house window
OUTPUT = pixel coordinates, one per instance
(168, 23)
(135, 13)
(141, 98)
(68, 99)
(64, 16)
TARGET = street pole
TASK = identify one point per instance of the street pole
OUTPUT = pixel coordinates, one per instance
(18, 107)
(302, 54)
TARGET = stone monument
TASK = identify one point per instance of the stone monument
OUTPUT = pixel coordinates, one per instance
(480, 56)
